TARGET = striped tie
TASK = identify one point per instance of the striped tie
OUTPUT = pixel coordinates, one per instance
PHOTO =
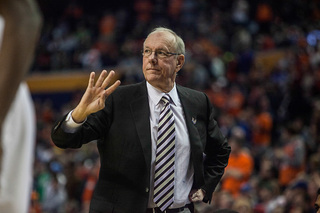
(164, 168)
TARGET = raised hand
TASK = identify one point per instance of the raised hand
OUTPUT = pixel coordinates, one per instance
(95, 95)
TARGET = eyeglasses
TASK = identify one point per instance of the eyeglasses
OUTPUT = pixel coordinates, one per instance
(158, 53)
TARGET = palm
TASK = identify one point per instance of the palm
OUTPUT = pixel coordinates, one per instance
(94, 98)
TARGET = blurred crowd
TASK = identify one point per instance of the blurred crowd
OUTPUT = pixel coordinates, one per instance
(258, 62)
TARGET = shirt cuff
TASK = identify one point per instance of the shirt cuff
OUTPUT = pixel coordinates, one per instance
(70, 125)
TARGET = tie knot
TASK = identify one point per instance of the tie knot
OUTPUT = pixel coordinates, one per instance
(165, 99)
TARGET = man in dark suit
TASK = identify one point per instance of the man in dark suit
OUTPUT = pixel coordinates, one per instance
(124, 120)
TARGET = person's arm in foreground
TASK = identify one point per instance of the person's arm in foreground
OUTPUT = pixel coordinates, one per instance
(22, 24)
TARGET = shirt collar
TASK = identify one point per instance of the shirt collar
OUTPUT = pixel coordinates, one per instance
(155, 94)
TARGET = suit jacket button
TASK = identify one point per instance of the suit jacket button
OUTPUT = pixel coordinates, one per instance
(147, 189)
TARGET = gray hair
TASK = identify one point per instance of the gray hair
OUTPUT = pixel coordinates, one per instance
(178, 44)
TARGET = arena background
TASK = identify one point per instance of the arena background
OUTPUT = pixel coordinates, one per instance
(258, 61)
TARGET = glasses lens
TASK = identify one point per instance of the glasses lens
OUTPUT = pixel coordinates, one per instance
(158, 53)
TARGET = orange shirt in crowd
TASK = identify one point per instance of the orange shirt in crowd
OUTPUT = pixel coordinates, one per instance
(288, 171)
(261, 134)
(242, 163)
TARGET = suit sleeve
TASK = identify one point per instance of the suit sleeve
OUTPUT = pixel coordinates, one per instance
(217, 153)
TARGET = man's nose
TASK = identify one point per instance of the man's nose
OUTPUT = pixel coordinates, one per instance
(153, 58)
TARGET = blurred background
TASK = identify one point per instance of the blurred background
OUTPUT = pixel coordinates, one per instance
(257, 60)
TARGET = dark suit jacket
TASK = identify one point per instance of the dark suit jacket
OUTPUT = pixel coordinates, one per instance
(122, 129)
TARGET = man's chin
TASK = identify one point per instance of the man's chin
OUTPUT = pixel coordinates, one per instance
(153, 77)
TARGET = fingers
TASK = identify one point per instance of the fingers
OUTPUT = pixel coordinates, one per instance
(108, 79)
(91, 80)
(102, 82)
(101, 78)
(197, 196)
(112, 88)
(106, 82)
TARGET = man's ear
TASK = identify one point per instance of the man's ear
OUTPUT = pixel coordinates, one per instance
(180, 61)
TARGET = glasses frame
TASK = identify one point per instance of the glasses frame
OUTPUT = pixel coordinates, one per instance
(168, 54)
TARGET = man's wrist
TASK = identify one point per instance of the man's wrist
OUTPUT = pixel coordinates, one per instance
(70, 125)
(78, 117)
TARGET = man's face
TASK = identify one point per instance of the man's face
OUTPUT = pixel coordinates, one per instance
(317, 204)
(160, 72)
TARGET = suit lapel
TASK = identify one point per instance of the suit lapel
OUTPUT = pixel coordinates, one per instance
(140, 111)
(191, 120)
(190, 114)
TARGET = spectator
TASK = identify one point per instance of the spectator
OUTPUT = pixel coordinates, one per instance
(222, 200)
(239, 168)
(55, 196)
(291, 156)
(243, 205)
